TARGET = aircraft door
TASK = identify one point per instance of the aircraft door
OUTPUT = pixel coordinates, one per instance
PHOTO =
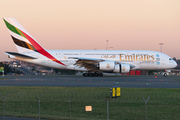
(163, 62)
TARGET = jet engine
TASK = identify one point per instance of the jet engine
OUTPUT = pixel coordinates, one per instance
(110, 66)
(106, 66)
(122, 68)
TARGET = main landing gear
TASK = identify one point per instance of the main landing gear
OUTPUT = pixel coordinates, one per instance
(93, 74)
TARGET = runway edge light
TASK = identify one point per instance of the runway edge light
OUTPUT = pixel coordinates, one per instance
(115, 92)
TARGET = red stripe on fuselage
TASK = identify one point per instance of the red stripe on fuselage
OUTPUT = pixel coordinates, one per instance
(41, 50)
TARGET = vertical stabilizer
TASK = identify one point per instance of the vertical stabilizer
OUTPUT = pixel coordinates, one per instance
(23, 40)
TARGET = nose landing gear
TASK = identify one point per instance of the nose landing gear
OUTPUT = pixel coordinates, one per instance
(165, 74)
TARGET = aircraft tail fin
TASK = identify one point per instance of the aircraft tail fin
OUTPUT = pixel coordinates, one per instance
(23, 40)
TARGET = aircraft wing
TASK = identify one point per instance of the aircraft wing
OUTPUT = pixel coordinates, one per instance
(88, 63)
(91, 63)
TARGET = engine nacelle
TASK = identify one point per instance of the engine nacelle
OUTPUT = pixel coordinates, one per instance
(112, 67)
(106, 66)
(125, 68)
(117, 68)
(122, 68)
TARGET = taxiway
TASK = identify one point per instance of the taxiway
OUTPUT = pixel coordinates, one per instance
(79, 81)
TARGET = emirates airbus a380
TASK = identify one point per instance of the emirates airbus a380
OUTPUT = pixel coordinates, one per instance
(92, 62)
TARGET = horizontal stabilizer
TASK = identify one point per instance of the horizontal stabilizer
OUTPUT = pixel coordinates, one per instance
(20, 55)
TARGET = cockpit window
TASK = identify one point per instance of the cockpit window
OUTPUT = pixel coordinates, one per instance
(170, 59)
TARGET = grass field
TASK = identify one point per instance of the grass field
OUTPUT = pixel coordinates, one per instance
(54, 105)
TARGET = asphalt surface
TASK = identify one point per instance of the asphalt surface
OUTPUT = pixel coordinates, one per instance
(80, 81)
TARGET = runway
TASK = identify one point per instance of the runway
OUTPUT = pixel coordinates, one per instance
(79, 81)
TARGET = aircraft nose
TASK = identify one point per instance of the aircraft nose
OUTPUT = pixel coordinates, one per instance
(174, 64)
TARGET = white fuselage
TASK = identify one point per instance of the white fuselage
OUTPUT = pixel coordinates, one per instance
(140, 59)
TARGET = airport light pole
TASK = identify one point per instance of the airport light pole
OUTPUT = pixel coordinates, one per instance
(106, 44)
(161, 45)
(161, 50)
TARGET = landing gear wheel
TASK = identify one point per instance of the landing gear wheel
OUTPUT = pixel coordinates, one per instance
(93, 74)
(84, 74)
(165, 74)
(88, 74)
(96, 74)
(101, 75)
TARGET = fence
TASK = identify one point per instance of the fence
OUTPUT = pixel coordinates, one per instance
(71, 105)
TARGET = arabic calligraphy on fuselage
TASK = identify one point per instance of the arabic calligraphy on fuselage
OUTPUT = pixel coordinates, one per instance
(108, 56)
(131, 57)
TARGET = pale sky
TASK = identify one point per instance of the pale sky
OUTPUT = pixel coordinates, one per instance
(87, 24)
